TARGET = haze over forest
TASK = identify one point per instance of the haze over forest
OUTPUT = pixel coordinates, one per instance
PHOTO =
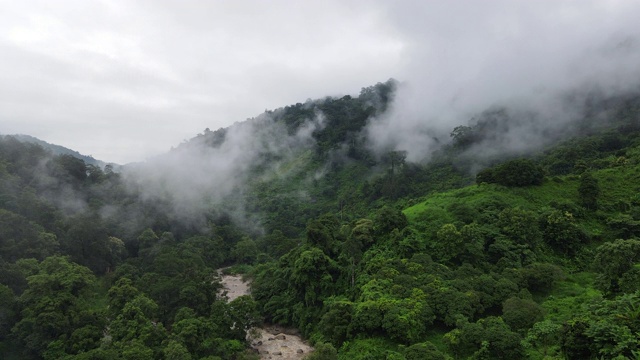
(124, 81)
(407, 181)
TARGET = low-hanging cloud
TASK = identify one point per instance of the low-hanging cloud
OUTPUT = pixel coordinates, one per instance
(466, 57)
(214, 169)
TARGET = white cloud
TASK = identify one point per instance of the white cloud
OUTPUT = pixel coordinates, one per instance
(467, 56)
(123, 80)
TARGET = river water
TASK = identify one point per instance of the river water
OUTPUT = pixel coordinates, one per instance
(271, 342)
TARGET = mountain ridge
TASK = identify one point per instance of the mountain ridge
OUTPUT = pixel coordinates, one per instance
(59, 149)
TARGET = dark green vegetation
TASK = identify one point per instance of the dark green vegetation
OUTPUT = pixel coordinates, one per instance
(89, 270)
(368, 255)
(59, 150)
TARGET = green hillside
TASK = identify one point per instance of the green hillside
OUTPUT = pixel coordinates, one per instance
(490, 270)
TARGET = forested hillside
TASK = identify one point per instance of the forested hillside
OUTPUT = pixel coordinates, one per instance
(477, 251)
(60, 150)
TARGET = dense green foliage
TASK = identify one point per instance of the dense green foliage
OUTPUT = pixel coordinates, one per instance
(479, 272)
(519, 172)
(78, 284)
(379, 258)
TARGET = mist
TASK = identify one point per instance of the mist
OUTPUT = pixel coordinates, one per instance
(533, 66)
(541, 61)
(214, 169)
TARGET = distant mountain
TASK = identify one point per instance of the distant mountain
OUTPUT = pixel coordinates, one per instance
(59, 150)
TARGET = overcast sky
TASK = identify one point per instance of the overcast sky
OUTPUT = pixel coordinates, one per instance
(123, 80)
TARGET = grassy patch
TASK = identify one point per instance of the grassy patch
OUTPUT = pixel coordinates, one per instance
(490, 197)
(570, 296)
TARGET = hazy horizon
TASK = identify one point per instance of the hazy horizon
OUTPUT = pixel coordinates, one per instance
(123, 81)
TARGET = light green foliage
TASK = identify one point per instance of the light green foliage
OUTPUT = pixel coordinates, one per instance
(370, 348)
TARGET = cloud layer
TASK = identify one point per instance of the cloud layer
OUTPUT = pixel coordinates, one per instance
(466, 57)
(213, 170)
(125, 80)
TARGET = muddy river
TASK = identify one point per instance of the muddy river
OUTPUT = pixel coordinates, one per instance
(271, 342)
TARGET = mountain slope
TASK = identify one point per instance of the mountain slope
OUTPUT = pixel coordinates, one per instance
(368, 254)
(59, 150)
